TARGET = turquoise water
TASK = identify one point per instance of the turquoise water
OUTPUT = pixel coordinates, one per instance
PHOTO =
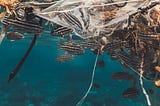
(44, 82)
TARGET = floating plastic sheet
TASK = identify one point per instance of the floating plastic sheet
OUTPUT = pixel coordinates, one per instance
(90, 12)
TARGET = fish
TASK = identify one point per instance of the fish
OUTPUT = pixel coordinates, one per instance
(14, 36)
(91, 44)
(72, 48)
(64, 58)
(25, 26)
(149, 37)
(72, 20)
(101, 63)
(151, 91)
(20, 23)
(61, 31)
(34, 27)
(131, 92)
(113, 46)
(96, 85)
(122, 76)
(129, 60)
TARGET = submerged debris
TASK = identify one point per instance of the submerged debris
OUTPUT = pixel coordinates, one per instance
(21, 22)
(127, 30)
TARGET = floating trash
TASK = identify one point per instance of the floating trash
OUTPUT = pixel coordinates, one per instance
(126, 30)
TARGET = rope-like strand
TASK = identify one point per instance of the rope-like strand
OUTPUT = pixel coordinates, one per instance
(142, 87)
(92, 80)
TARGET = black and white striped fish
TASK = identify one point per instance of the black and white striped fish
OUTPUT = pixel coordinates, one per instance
(111, 47)
(26, 26)
(149, 37)
(19, 21)
(64, 58)
(71, 20)
(72, 48)
(130, 61)
(131, 92)
(92, 44)
(61, 31)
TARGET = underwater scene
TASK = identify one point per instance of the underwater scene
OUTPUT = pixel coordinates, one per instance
(79, 53)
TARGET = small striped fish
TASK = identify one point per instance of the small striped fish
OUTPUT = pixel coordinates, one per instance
(71, 20)
(21, 23)
(60, 31)
(149, 37)
(72, 48)
(64, 58)
(131, 92)
(132, 62)
(122, 76)
(111, 47)
(26, 26)
(92, 44)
